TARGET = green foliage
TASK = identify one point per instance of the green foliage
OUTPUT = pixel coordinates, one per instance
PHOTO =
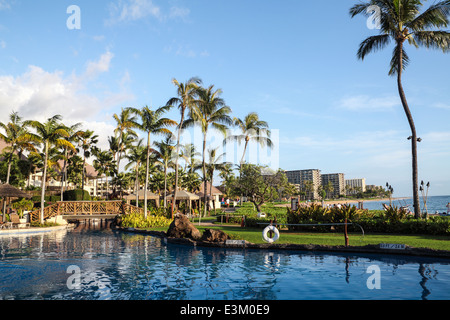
(76, 195)
(136, 220)
(22, 205)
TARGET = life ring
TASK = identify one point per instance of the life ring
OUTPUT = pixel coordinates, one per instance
(266, 232)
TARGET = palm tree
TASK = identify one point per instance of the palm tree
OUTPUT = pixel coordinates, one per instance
(214, 164)
(126, 121)
(210, 111)
(136, 156)
(87, 141)
(184, 101)
(401, 21)
(252, 129)
(165, 152)
(50, 133)
(152, 123)
(104, 164)
(17, 137)
(74, 134)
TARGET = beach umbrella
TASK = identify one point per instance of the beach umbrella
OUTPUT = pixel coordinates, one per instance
(9, 191)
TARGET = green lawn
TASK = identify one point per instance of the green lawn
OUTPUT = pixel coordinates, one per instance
(333, 239)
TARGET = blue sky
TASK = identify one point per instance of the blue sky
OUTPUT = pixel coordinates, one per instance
(294, 62)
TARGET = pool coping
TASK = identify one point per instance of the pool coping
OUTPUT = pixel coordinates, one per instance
(31, 231)
(374, 249)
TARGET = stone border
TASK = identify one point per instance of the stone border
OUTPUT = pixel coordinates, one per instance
(374, 249)
(31, 231)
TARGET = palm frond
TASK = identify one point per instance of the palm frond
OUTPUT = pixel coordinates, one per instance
(395, 61)
(433, 39)
(372, 44)
(435, 16)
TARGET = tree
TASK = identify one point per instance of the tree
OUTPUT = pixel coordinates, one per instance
(252, 129)
(74, 134)
(104, 164)
(184, 101)
(214, 163)
(17, 137)
(87, 141)
(401, 21)
(135, 158)
(152, 123)
(126, 121)
(210, 111)
(50, 133)
(165, 152)
(260, 184)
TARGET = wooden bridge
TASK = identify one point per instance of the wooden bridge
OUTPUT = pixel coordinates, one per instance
(79, 210)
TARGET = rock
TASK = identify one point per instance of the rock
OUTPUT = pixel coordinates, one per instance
(212, 235)
(181, 227)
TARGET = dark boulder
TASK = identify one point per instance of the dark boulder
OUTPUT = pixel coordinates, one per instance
(181, 227)
(212, 235)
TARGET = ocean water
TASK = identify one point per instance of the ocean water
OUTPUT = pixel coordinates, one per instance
(434, 204)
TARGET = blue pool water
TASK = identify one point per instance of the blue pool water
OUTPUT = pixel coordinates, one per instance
(102, 264)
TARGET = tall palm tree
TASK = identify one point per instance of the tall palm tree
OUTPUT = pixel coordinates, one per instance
(152, 123)
(210, 112)
(135, 158)
(74, 133)
(214, 163)
(17, 137)
(87, 141)
(50, 133)
(184, 101)
(104, 164)
(252, 129)
(126, 121)
(165, 152)
(401, 21)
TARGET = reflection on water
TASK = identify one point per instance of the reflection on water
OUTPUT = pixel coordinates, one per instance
(117, 265)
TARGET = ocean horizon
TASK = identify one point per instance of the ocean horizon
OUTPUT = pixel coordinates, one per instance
(433, 203)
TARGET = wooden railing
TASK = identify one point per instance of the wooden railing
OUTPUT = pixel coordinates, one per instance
(85, 208)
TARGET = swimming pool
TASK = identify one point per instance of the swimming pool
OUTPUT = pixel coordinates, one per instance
(102, 264)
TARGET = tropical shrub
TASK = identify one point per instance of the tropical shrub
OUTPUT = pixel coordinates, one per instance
(137, 220)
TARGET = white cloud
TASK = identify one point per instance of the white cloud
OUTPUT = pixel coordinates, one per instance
(102, 65)
(132, 10)
(38, 94)
(5, 4)
(442, 106)
(366, 103)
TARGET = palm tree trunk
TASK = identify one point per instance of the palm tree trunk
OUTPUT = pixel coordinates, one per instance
(413, 135)
(165, 186)
(204, 174)
(176, 163)
(44, 177)
(146, 174)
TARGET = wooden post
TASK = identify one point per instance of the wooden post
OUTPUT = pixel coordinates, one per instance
(345, 233)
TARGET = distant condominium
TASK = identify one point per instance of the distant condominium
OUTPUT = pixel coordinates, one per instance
(307, 181)
(333, 184)
(354, 186)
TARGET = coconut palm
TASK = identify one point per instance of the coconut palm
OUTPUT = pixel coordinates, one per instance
(400, 21)
(252, 129)
(214, 163)
(210, 111)
(87, 141)
(135, 158)
(126, 121)
(104, 164)
(50, 133)
(17, 137)
(152, 122)
(184, 101)
(165, 152)
(74, 134)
